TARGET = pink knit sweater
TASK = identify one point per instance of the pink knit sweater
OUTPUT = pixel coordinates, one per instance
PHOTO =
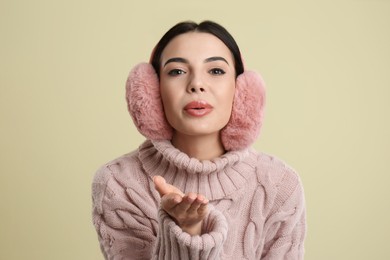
(257, 206)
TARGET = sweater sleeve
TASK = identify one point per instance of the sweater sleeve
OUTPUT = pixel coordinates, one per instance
(286, 226)
(173, 243)
(124, 230)
(130, 225)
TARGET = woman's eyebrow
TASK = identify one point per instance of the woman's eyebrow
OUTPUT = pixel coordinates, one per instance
(176, 59)
(216, 58)
(182, 60)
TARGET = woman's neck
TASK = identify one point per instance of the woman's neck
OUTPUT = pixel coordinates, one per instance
(205, 147)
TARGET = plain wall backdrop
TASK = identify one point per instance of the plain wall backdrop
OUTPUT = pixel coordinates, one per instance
(63, 67)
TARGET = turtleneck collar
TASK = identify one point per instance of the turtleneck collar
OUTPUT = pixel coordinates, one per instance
(214, 178)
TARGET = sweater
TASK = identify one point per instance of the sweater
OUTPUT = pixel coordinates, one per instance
(256, 206)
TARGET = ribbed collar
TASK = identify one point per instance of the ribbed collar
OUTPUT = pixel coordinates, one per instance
(215, 178)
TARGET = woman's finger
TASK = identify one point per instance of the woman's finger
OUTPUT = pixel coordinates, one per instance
(202, 210)
(160, 185)
(186, 203)
(164, 188)
(170, 201)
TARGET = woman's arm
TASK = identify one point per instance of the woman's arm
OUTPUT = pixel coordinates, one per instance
(131, 225)
(125, 220)
(286, 226)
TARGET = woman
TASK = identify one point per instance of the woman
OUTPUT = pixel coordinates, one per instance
(195, 189)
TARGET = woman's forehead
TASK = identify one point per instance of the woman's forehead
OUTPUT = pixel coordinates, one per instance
(195, 45)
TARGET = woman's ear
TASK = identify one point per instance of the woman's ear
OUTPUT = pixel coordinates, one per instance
(144, 103)
(247, 114)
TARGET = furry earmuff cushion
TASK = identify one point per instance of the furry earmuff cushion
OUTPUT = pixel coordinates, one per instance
(247, 112)
(144, 103)
(146, 109)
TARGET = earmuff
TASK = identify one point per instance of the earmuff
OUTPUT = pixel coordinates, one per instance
(146, 108)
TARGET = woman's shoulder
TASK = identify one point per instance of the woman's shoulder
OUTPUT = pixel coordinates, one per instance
(119, 179)
(275, 172)
(280, 182)
(119, 173)
(120, 165)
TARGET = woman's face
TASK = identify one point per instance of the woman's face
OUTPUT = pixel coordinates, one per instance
(197, 82)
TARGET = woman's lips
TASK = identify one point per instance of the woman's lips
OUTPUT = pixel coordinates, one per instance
(198, 108)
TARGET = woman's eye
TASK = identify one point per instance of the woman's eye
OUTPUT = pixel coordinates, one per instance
(176, 72)
(217, 71)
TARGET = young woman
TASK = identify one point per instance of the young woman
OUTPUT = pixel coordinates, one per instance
(195, 189)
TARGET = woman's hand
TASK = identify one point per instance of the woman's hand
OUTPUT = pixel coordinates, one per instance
(188, 210)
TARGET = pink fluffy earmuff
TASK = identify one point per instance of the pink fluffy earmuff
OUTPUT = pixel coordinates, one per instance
(146, 108)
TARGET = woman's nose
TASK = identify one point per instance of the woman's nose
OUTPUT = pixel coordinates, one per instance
(197, 89)
(196, 84)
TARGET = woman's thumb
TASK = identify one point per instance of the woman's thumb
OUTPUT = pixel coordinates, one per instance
(160, 185)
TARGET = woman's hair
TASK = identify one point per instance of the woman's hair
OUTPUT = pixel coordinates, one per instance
(206, 27)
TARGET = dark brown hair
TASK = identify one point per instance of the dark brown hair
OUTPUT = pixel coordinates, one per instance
(205, 26)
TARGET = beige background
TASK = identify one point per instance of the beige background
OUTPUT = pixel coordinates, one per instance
(63, 65)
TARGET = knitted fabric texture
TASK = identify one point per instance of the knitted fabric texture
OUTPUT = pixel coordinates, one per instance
(256, 211)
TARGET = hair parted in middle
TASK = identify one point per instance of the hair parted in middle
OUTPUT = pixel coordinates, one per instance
(205, 27)
(146, 108)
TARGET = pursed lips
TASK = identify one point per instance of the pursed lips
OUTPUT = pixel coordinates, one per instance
(198, 108)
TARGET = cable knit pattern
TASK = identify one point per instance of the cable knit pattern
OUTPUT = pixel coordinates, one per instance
(257, 207)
